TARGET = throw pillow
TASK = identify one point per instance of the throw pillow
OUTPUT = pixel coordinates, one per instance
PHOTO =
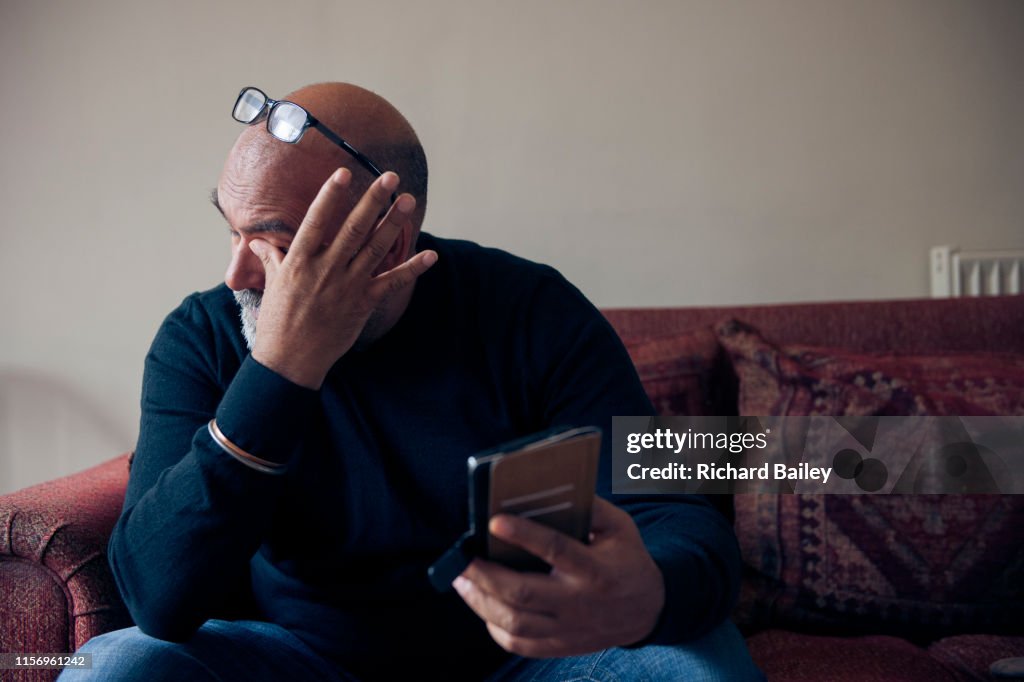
(804, 380)
(917, 566)
(920, 566)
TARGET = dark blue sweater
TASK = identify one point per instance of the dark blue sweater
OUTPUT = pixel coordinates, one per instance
(492, 347)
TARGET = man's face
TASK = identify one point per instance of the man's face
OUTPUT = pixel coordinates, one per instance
(261, 195)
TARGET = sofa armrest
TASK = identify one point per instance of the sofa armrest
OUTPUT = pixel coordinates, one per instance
(56, 588)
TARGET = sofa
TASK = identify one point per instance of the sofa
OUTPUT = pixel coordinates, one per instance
(836, 587)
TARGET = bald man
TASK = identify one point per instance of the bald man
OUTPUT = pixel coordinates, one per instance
(298, 471)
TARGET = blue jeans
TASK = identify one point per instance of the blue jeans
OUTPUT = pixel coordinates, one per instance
(223, 651)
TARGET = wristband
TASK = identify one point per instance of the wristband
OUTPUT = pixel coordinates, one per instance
(250, 460)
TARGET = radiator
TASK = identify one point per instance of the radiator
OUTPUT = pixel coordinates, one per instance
(975, 273)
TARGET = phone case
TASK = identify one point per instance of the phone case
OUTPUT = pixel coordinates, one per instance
(549, 478)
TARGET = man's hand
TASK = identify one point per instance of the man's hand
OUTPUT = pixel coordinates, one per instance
(605, 594)
(319, 296)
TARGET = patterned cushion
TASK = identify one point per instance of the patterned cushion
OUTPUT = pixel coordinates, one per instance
(922, 565)
(801, 380)
(679, 372)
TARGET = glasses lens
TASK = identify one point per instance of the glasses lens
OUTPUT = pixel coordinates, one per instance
(287, 121)
(249, 105)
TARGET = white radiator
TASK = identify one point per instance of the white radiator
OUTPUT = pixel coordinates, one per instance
(975, 273)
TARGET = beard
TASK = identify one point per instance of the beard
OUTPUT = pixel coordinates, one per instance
(249, 310)
(249, 301)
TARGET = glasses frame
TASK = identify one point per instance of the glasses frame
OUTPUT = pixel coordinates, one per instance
(311, 122)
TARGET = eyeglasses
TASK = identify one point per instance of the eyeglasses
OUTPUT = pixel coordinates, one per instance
(287, 121)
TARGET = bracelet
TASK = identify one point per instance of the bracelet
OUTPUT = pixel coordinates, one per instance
(241, 455)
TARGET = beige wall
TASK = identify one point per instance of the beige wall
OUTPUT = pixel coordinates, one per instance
(658, 153)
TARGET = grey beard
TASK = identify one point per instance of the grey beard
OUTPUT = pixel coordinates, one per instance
(248, 306)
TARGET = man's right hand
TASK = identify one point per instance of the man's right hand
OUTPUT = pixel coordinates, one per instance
(319, 295)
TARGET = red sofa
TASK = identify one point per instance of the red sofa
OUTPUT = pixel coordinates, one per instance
(887, 588)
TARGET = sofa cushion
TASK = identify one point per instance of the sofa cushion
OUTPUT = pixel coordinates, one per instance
(55, 582)
(679, 372)
(921, 565)
(804, 380)
(969, 657)
(798, 657)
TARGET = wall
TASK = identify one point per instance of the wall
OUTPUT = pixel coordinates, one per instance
(658, 153)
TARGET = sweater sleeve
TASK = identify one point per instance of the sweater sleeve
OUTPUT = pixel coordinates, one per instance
(193, 515)
(586, 378)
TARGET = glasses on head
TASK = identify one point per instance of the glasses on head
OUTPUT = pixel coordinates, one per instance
(287, 121)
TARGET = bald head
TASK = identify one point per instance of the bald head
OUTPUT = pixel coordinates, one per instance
(268, 171)
(267, 186)
(370, 124)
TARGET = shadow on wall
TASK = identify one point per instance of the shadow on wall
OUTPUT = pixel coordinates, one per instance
(48, 429)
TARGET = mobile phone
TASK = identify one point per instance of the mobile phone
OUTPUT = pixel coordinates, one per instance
(548, 477)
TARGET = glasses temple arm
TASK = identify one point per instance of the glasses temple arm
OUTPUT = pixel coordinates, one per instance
(338, 140)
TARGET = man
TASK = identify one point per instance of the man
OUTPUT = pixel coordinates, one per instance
(295, 477)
